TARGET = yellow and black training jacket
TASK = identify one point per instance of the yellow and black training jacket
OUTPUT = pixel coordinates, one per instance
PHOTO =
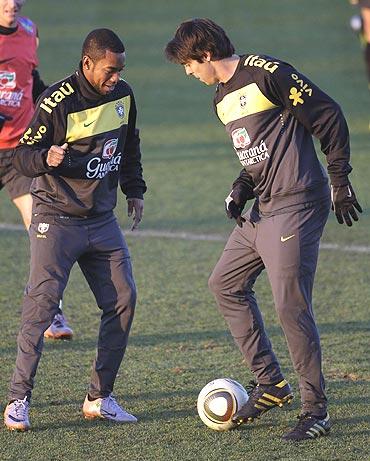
(103, 149)
(270, 111)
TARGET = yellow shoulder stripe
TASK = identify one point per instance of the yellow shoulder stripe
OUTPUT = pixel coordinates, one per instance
(90, 122)
(248, 100)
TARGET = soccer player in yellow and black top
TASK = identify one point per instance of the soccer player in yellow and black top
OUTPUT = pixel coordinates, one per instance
(270, 111)
(81, 143)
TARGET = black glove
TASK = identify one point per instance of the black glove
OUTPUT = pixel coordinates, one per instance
(234, 206)
(3, 119)
(344, 202)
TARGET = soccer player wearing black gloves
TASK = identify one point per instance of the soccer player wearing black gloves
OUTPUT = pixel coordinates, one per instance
(270, 111)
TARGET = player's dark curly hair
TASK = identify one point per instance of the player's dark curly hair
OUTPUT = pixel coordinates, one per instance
(194, 38)
(99, 41)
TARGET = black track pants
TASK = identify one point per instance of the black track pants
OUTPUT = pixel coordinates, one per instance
(287, 246)
(101, 252)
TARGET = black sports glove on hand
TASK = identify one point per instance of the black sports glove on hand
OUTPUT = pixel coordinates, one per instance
(344, 202)
(242, 190)
(234, 207)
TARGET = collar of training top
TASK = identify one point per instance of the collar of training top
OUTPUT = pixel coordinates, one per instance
(87, 90)
(8, 30)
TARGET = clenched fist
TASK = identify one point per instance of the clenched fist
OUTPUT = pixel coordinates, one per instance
(56, 155)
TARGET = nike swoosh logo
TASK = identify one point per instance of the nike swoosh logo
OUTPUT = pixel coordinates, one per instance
(88, 124)
(284, 239)
(106, 413)
(15, 419)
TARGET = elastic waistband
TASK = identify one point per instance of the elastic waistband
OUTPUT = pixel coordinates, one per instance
(279, 204)
(51, 218)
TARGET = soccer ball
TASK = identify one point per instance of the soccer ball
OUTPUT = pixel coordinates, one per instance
(218, 401)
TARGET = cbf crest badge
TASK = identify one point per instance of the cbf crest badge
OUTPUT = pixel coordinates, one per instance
(243, 101)
(120, 109)
(43, 227)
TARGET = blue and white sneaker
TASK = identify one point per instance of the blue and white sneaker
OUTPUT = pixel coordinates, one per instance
(16, 415)
(106, 408)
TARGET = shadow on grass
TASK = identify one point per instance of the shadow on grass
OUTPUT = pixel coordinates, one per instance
(156, 339)
(338, 434)
(134, 340)
(165, 416)
(80, 422)
(148, 396)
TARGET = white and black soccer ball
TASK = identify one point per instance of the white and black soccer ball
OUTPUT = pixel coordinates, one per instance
(218, 401)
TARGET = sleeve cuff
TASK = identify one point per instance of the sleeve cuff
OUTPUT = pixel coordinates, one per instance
(135, 193)
(339, 181)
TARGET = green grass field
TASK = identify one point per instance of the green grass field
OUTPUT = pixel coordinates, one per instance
(179, 342)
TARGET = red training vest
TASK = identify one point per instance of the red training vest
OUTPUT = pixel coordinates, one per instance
(18, 58)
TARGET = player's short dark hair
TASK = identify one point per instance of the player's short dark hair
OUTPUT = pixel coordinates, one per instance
(99, 41)
(193, 38)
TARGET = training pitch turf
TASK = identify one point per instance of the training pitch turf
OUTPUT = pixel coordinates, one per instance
(179, 342)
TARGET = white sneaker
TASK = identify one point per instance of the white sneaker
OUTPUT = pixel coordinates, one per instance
(59, 328)
(16, 415)
(106, 408)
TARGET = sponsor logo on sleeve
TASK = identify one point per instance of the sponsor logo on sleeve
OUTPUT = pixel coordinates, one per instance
(30, 139)
(49, 103)
(257, 61)
(295, 96)
(304, 86)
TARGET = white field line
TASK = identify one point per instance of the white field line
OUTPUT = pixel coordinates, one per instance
(205, 237)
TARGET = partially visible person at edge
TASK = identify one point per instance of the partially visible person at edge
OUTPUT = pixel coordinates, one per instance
(270, 111)
(364, 6)
(81, 143)
(20, 86)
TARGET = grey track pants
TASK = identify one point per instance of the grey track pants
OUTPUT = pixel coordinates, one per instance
(101, 252)
(287, 246)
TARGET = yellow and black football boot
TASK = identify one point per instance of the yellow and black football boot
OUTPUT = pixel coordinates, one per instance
(262, 398)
